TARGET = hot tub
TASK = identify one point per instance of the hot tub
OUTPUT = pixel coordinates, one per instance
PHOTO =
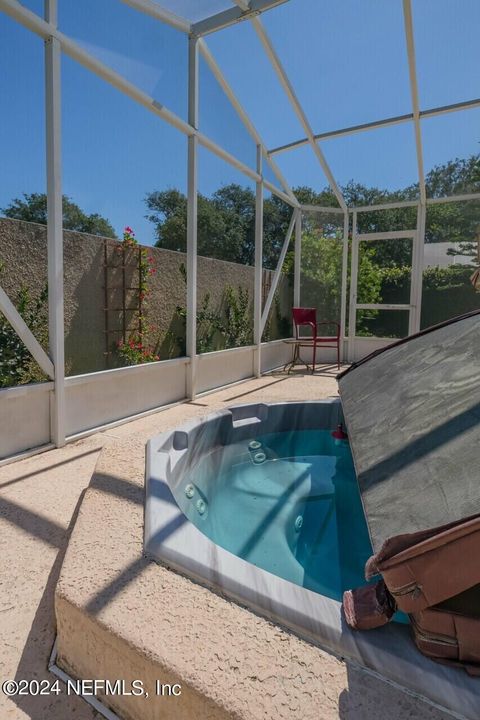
(260, 504)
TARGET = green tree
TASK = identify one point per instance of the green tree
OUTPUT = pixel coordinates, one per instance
(454, 177)
(455, 222)
(446, 222)
(218, 234)
(226, 220)
(33, 208)
(226, 224)
(322, 276)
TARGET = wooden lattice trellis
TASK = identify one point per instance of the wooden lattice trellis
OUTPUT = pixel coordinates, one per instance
(131, 258)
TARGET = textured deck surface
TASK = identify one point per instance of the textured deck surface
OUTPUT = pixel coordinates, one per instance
(233, 663)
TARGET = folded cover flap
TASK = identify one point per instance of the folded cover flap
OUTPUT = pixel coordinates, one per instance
(468, 637)
(400, 548)
(413, 419)
(441, 565)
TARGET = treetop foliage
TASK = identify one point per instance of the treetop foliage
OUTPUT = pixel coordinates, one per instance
(226, 220)
(33, 208)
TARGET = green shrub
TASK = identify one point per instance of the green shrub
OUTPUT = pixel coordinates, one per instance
(17, 366)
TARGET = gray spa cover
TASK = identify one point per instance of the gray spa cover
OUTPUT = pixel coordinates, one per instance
(412, 413)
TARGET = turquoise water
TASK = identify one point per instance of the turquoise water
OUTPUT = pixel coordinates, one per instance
(297, 513)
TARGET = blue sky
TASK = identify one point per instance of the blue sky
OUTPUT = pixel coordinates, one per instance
(346, 59)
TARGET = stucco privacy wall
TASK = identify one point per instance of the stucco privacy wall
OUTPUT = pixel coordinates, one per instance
(23, 263)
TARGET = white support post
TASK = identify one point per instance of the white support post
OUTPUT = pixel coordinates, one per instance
(278, 271)
(343, 292)
(191, 327)
(418, 243)
(257, 300)
(407, 15)
(55, 225)
(417, 272)
(297, 265)
(297, 269)
(352, 317)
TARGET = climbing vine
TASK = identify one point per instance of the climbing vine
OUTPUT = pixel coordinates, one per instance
(139, 347)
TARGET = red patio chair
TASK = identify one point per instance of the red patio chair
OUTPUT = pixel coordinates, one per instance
(308, 316)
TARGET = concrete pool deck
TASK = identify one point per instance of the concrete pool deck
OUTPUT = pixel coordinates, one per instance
(232, 663)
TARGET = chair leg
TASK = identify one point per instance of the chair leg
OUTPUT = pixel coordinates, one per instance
(338, 354)
(314, 356)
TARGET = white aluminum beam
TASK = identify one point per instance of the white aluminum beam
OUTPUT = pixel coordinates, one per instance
(25, 334)
(407, 14)
(382, 306)
(320, 209)
(453, 107)
(385, 206)
(343, 291)
(278, 272)
(283, 196)
(454, 198)
(192, 206)
(390, 235)
(414, 203)
(233, 15)
(387, 122)
(222, 81)
(351, 130)
(258, 287)
(34, 23)
(55, 225)
(287, 86)
(225, 155)
(352, 317)
(298, 260)
(417, 272)
(155, 10)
